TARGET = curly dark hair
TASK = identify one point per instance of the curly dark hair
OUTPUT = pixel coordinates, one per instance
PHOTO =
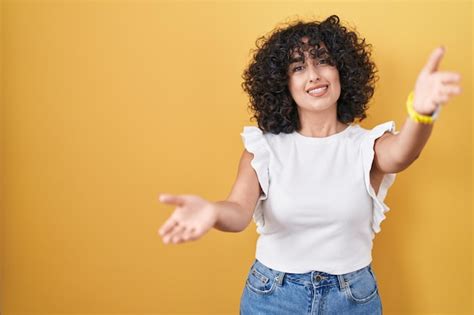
(266, 78)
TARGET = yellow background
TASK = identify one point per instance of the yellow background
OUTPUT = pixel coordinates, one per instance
(105, 104)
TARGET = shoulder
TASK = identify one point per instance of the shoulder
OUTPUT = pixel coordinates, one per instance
(357, 133)
(254, 133)
(373, 133)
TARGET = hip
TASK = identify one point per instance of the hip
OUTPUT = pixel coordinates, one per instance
(269, 291)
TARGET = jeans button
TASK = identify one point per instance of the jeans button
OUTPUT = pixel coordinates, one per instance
(318, 278)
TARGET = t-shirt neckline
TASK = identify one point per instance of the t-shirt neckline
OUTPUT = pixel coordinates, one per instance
(323, 139)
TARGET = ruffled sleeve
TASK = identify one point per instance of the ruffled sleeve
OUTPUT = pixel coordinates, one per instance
(255, 142)
(368, 153)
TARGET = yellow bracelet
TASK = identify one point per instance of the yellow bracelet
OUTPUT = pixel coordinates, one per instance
(419, 118)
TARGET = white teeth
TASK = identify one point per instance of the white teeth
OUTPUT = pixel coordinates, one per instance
(318, 90)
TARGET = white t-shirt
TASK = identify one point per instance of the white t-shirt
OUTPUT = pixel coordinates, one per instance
(318, 210)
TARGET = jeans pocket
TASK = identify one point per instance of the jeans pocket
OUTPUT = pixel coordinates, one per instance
(361, 288)
(260, 280)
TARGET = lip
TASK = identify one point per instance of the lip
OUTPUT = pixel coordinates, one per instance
(316, 86)
(319, 94)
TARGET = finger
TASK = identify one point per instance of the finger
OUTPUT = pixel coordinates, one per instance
(443, 96)
(167, 227)
(167, 237)
(448, 77)
(175, 236)
(450, 89)
(442, 99)
(185, 236)
(171, 199)
(189, 234)
(434, 60)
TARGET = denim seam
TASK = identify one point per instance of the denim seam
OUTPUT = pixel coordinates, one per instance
(259, 291)
(260, 276)
(364, 300)
(342, 282)
(279, 278)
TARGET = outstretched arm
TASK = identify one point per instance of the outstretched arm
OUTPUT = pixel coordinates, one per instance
(395, 152)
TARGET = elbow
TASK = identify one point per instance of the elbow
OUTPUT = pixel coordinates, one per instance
(405, 163)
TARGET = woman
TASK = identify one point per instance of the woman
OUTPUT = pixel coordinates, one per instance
(313, 181)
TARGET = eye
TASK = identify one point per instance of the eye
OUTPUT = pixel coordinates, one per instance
(294, 69)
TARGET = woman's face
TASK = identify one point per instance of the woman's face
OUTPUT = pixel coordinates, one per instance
(302, 77)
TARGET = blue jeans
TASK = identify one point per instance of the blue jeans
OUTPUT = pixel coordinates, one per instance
(272, 292)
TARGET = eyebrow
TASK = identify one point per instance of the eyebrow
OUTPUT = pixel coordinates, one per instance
(295, 60)
(324, 52)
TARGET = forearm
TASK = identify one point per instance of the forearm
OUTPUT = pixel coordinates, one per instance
(231, 217)
(411, 140)
(432, 90)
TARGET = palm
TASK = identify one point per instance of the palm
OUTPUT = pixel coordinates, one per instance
(191, 219)
(433, 88)
(195, 212)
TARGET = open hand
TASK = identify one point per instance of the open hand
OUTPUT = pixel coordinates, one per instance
(433, 88)
(191, 219)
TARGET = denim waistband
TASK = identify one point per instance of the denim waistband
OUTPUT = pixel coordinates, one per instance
(313, 278)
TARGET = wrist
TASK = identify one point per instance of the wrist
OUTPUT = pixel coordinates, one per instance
(420, 117)
(215, 209)
(423, 112)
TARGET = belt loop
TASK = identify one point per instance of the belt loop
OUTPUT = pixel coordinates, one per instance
(342, 282)
(279, 277)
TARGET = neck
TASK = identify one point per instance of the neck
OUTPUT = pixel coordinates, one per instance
(320, 124)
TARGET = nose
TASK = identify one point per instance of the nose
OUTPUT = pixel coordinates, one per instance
(313, 71)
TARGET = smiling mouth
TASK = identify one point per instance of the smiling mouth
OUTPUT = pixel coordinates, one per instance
(318, 92)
